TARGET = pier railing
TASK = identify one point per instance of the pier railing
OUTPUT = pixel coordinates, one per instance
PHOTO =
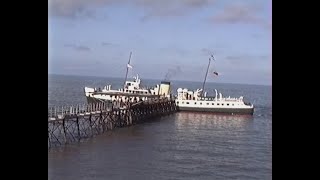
(68, 124)
(60, 111)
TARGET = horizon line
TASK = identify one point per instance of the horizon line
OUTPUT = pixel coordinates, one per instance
(158, 79)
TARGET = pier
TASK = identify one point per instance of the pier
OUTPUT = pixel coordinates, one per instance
(68, 124)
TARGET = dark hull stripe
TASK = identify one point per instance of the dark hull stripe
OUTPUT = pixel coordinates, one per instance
(218, 110)
(95, 100)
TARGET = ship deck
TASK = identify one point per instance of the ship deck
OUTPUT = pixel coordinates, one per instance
(127, 94)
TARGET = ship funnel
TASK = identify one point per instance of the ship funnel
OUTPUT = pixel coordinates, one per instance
(164, 88)
(88, 91)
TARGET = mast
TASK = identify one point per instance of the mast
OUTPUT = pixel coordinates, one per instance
(127, 70)
(205, 78)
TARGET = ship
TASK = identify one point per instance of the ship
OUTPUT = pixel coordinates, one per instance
(198, 101)
(131, 90)
(187, 100)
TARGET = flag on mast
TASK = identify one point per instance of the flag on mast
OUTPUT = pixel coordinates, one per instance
(129, 66)
(215, 73)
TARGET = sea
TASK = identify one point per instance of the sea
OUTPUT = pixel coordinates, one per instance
(182, 146)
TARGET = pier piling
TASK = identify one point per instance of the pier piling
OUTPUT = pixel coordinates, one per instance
(74, 123)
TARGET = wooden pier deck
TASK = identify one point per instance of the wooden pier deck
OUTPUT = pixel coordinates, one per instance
(67, 124)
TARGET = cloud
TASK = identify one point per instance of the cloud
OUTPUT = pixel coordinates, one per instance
(237, 13)
(207, 51)
(78, 47)
(173, 50)
(170, 8)
(214, 50)
(69, 8)
(241, 57)
(268, 26)
(108, 44)
(245, 60)
(245, 13)
(86, 8)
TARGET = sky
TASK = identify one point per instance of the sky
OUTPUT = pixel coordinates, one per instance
(95, 38)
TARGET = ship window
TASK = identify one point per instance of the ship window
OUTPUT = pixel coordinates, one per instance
(187, 102)
(222, 104)
(182, 102)
(207, 103)
(126, 90)
(218, 104)
(201, 103)
(195, 102)
(177, 102)
(227, 104)
(232, 104)
(212, 103)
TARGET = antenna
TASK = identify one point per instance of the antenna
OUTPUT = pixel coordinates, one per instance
(127, 69)
(205, 78)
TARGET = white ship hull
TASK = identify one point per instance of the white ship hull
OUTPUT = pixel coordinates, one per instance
(193, 101)
(215, 107)
(132, 92)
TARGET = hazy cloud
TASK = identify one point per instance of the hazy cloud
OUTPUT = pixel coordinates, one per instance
(107, 44)
(237, 13)
(86, 8)
(245, 59)
(78, 47)
(169, 8)
(173, 50)
(241, 57)
(69, 8)
(268, 26)
(207, 51)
